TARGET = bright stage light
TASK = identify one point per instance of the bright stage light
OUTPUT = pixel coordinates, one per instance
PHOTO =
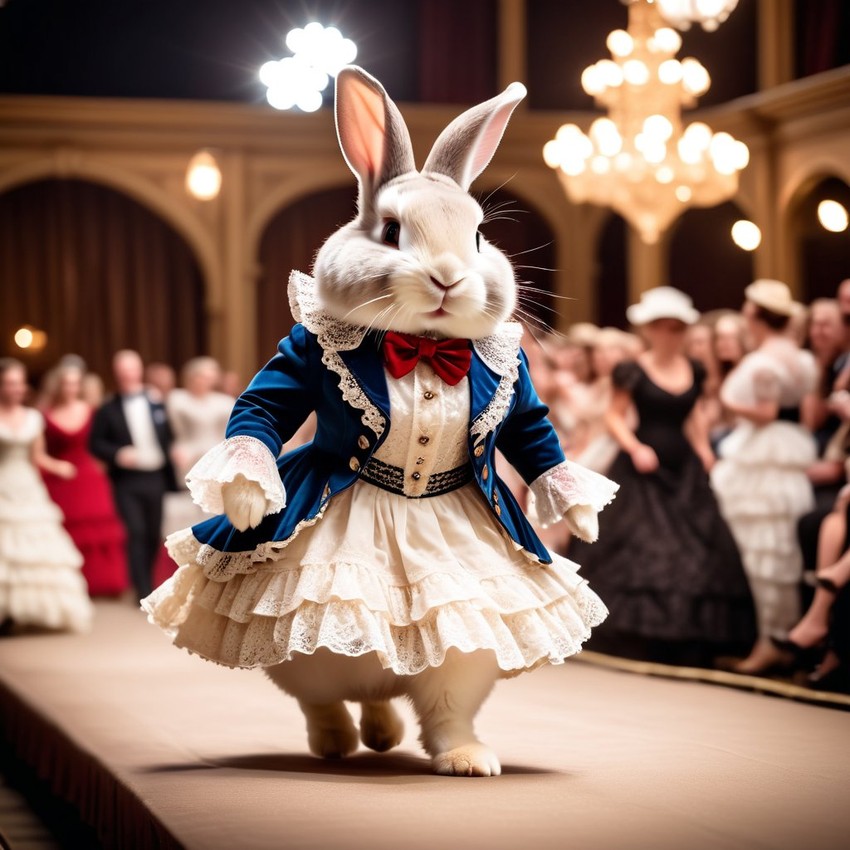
(319, 53)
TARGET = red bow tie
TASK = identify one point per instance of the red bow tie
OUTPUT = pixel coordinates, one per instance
(449, 358)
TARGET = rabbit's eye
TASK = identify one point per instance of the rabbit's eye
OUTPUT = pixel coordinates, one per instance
(391, 234)
(478, 241)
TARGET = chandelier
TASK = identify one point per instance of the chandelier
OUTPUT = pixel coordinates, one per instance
(710, 14)
(640, 159)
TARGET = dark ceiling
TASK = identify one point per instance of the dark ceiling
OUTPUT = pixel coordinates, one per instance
(212, 49)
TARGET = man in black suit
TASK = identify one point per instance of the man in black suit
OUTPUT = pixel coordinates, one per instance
(131, 434)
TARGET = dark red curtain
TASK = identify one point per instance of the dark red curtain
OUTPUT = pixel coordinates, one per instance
(612, 283)
(822, 34)
(705, 262)
(98, 272)
(824, 257)
(290, 241)
(458, 52)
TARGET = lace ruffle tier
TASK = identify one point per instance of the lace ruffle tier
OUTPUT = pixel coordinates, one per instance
(349, 586)
(40, 579)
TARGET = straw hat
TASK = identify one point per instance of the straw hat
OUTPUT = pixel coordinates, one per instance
(662, 302)
(583, 334)
(772, 295)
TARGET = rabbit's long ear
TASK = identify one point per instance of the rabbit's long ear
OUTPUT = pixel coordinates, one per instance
(372, 134)
(464, 148)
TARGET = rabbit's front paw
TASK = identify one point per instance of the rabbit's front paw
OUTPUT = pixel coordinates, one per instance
(469, 760)
(583, 521)
(244, 502)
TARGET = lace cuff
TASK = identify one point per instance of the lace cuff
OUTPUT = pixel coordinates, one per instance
(570, 485)
(243, 455)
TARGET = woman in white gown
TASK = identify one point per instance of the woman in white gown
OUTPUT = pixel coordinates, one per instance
(760, 479)
(198, 416)
(40, 579)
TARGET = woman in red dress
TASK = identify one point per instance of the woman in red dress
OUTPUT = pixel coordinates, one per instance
(86, 499)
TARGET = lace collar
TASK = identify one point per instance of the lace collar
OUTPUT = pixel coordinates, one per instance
(499, 351)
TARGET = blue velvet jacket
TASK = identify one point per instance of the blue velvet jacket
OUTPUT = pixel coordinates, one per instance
(337, 371)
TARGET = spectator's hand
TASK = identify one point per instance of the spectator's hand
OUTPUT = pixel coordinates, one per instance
(842, 499)
(645, 459)
(839, 404)
(708, 460)
(180, 457)
(127, 457)
(65, 469)
(244, 502)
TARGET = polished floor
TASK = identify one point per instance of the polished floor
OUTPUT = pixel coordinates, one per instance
(158, 749)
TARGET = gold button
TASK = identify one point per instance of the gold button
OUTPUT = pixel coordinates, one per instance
(362, 442)
(424, 440)
(498, 510)
(326, 491)
(354, 464)
(495, 496)
(485, 473)
(416, 476)
(479, 450)
(428, 394)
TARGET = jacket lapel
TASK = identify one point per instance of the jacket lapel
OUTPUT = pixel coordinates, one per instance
(367, 367)
(483, 383)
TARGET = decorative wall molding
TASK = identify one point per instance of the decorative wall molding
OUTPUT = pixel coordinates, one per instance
(270, 159)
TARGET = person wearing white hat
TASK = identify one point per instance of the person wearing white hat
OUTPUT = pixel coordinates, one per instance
(760, 478)
(667, 563)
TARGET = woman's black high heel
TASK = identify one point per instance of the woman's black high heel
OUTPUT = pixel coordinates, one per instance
(804, 657)
(827, 584)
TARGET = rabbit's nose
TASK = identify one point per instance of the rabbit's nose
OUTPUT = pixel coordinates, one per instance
(439, 283)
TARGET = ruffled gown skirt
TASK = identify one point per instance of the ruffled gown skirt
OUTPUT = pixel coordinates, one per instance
(763, 490)
(668, 568)
(406, 579)
(40, 579)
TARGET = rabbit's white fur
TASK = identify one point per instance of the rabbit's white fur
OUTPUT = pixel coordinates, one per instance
(436, 281)
(442, 279)
(445, 698)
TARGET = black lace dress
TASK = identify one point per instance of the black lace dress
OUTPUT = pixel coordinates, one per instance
(666, 564)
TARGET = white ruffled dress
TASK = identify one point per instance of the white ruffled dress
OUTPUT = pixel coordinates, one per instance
(760, 478)
(41, 583)
(404, 577)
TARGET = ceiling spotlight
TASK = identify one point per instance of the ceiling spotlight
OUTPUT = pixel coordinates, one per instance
(319, 53)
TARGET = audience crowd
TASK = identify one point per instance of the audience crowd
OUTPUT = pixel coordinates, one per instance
(729, 432)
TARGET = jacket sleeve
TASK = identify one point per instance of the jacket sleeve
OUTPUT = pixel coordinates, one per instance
(275, 404)
(560, 488)
(527, 438)
(102, 442)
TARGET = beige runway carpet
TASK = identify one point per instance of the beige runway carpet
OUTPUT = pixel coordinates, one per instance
(161, 749)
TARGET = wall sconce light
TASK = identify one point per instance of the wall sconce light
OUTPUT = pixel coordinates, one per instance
(30, 339)
(203, 176)
(832, 216)
(746, 235)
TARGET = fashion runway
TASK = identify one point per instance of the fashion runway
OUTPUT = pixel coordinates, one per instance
(160, 749)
